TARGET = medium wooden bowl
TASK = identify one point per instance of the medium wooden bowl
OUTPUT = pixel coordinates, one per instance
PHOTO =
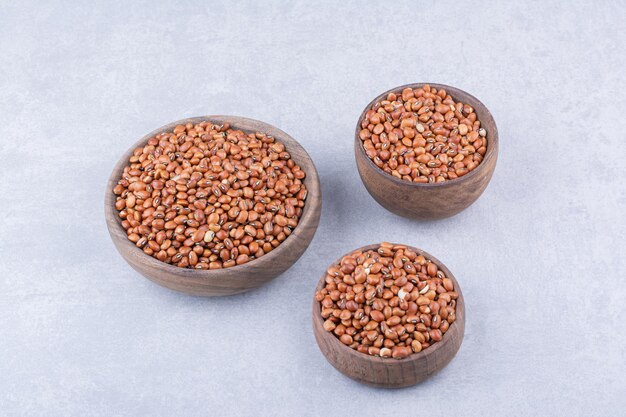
(435, 200)
(388, 372)
(236, 279)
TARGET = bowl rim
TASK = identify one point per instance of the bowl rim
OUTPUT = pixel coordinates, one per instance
(318, 320)
(457, 94)
(308, 214)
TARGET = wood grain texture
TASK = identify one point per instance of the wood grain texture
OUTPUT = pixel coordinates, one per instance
(436, 200)
(239, 278)
(391, 373)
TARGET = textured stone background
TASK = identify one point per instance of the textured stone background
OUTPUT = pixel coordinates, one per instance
(540, 256)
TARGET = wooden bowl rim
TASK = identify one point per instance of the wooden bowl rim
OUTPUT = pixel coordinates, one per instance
(492, 149)
(308, 215)
(414, 357)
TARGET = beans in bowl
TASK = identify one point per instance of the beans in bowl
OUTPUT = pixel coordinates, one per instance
(208, 196)
(389, 302)
(423, 135)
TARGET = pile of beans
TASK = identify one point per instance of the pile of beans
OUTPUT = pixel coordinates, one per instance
(423, 136)
(387, 302)
(207, 197)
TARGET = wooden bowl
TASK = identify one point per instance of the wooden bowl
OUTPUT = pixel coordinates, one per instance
(236, 279)
(434, 200)
(388, 372)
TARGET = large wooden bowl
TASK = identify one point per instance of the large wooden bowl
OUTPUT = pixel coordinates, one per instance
(388, 372)
(434, 200)
(238, 278)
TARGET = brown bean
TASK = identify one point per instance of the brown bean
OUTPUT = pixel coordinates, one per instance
(435, 335)
(416, 346)
(393, 320)
(198, 236)
(377, 316)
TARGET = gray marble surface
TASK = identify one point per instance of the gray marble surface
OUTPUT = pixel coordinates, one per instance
(540, 256)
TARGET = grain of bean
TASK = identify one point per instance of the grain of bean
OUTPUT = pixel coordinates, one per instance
(209, 197)
(423, 128)
(388, 302)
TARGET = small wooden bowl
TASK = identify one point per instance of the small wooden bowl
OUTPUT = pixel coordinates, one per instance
(435, 200)
(239, 278)
(388, 372)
